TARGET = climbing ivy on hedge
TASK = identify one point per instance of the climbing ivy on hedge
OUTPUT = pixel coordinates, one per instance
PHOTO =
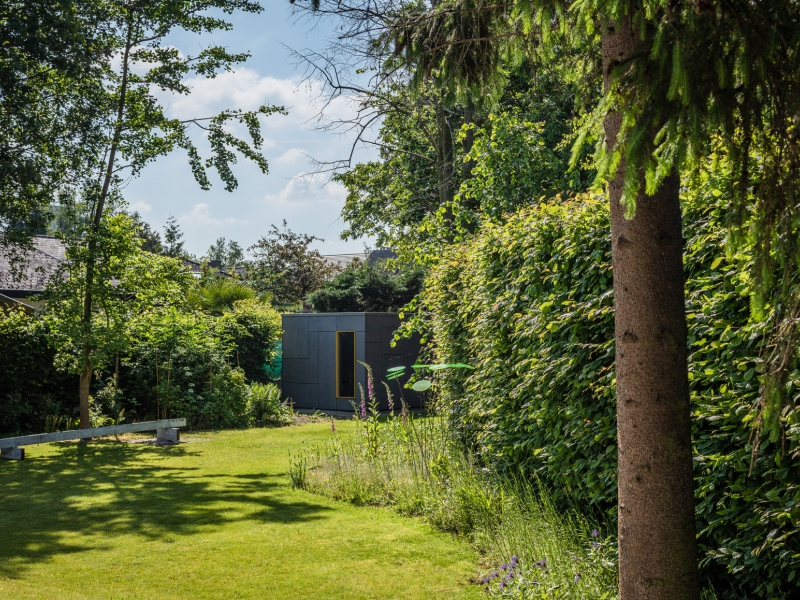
(529, 302)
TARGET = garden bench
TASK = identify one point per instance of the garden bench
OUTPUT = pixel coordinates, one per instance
(166, 432)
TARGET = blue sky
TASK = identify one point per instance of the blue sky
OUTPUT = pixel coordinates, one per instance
(309, 204)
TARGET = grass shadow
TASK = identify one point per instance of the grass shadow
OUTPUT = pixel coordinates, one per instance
(68, 501)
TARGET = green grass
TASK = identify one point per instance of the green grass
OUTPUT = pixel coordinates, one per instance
(212, 518)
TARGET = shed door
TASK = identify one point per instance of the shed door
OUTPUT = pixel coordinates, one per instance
(345, 364)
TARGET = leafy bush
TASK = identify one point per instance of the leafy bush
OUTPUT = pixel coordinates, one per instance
(179, 364)
(529, 302)
(264, 405)
(254, 328)
(31, 389)
(370, 287)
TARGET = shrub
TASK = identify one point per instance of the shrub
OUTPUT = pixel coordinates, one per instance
(264, 405)
(254, 328)
(31, 390)
(529, 302)
(371, 287)
(179, 364)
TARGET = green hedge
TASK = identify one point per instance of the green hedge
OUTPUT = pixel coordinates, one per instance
(180, 363)
(530, 304)
(31, 390)
(196, 365)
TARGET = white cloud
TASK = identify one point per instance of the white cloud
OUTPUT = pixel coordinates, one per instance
(312, 189)
(245, 89)
(291, 157)
(201, 215)
(141, 207)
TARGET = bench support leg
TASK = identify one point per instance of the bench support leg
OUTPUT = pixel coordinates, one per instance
(13, 453)
(168, 435)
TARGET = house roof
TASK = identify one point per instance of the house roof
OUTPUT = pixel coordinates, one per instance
(197, 268)
(50, 245)
(26, 272)
(344, 260)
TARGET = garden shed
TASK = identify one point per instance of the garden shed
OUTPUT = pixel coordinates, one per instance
(322, 352)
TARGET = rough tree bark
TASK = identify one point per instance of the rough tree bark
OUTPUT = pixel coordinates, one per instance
(657, 536)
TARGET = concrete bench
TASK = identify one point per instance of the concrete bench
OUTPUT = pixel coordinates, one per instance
(166, 432)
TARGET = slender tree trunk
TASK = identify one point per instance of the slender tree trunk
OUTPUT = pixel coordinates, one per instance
(469, 136)
(657, 537)
(446, 179)
(444, 156)
(469, 165)
(86, 373)
(84, 383)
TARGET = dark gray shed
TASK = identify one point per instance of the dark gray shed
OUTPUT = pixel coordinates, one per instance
(322, 351)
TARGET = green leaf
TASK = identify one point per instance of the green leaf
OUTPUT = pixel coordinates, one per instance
(421, 385)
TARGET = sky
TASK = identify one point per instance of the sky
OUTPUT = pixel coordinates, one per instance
(310, 203)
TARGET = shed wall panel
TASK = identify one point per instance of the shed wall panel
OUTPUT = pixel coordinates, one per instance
(302, 395)
(326, 372)
(322, 322)
(295, 370)
(350, 322)
(295, 337)
(313, 356)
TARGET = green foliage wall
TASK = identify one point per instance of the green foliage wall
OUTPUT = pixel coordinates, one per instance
(195, 365)
(255, 327)
(179, 363)
(530, 304)
(30, 387)
(367, 287)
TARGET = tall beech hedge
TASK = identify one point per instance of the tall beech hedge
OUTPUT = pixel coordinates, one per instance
(529, 302)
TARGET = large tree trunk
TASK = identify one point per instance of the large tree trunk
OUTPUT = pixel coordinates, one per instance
(657, 537)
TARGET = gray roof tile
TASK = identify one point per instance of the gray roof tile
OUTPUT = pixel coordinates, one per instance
(35, 268)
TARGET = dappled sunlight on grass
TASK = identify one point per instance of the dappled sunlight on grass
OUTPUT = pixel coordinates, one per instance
(212, 518)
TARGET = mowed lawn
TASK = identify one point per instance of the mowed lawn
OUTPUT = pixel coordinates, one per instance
(211, 518)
